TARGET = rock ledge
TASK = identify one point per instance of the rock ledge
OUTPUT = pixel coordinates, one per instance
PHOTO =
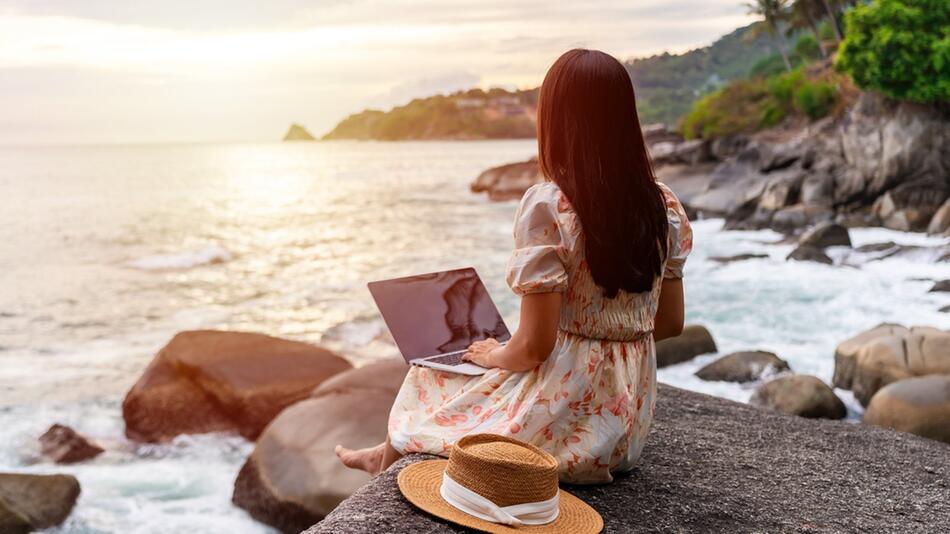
(713, 465)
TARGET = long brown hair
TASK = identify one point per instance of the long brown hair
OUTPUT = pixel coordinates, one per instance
(590, 144)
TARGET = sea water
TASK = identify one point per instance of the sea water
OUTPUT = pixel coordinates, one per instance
(106, 252)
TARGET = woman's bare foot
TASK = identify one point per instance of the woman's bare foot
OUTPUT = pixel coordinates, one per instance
(369, 459)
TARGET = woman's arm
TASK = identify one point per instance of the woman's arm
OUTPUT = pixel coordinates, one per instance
(531, 344)
(669, 311)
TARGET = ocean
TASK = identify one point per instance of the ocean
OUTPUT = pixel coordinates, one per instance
(108, 251)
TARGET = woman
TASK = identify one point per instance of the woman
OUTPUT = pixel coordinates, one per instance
(598, 261)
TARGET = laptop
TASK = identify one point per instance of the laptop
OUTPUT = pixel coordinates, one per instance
(435, 317)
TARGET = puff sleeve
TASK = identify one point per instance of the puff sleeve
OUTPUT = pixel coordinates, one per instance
(537, 264)
(680, 235)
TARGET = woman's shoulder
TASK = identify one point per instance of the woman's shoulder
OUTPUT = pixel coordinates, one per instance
(547, 194)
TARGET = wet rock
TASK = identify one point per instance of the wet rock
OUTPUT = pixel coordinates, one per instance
(940, 223)
(792, 218)
(911, 205)
(917, 405)
(40, 501)
(884, 360)
(809, 253)
(802, 395)
(847, 351)
(690, 152)
(941, 286)
(293, 478)
(743, 367)
(712, 465)
(508, 182)
(827, 234)
(694, 340)
(64, 445)
(210, 381)
(737, 257)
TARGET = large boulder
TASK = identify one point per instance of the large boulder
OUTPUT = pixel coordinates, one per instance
(210, 381)
(802, 395)
(713, 465)
(847, 351)
(508, 182)
(694, 340)
(911, 205)
(940, 223)
(922, 351)
(827, 234)
(809, 253)
(293, 478)
(743, 367)
(918, 405)
(37, 501)
(64, 445)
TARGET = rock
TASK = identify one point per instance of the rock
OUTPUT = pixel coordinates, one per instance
(885, 142)
(883, 360)
(712, 465)
(847, 351)
(940, 223)
(722, 148)
(818, 189)
(780, 155)
(212, 381)
(877, 247)
(694, 340)
(945, 309)
(941, 286)
(508, 182)
(803, 395)
(734, 185)
(298, 133)
(12, 522)
(293, 478)
(737, 257)
(41, 501)
(809, 253)
(782, 189)
(826, 234)
(64, 445)
(911, 205)
(917, 405)
(658, 133)
(792, 218)
(690, 152)
(743, 367)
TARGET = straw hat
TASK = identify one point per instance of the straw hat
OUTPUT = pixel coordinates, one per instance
(497, 484)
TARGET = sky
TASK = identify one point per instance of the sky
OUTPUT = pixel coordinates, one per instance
(120, 71)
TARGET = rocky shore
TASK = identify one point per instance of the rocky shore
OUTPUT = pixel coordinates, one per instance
(713, 465)
(710, 463)
(881, 163)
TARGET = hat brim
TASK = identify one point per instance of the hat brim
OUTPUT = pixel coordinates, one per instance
(420, 483)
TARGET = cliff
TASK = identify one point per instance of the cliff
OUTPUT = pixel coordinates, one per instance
(713, 465)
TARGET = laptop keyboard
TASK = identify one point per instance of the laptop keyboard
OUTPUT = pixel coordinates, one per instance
(452, 358)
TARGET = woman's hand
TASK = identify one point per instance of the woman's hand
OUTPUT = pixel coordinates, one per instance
(479, 352)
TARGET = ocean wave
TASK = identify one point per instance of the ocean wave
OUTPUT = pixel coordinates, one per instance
(210, 255)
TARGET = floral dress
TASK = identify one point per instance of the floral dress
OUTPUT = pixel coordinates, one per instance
(590, 404)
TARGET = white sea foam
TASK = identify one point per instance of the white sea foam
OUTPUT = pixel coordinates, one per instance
(209, 255)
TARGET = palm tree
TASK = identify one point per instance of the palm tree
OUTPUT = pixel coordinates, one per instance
(773, 12)
(834, 18)
(803, 16)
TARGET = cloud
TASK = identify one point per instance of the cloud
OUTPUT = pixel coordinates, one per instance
(258, 65)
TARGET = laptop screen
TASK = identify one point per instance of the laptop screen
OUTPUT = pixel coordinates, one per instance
(437, 313)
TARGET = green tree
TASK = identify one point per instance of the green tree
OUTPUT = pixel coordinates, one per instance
(773, 13)
(900, 48)
(804, 16)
